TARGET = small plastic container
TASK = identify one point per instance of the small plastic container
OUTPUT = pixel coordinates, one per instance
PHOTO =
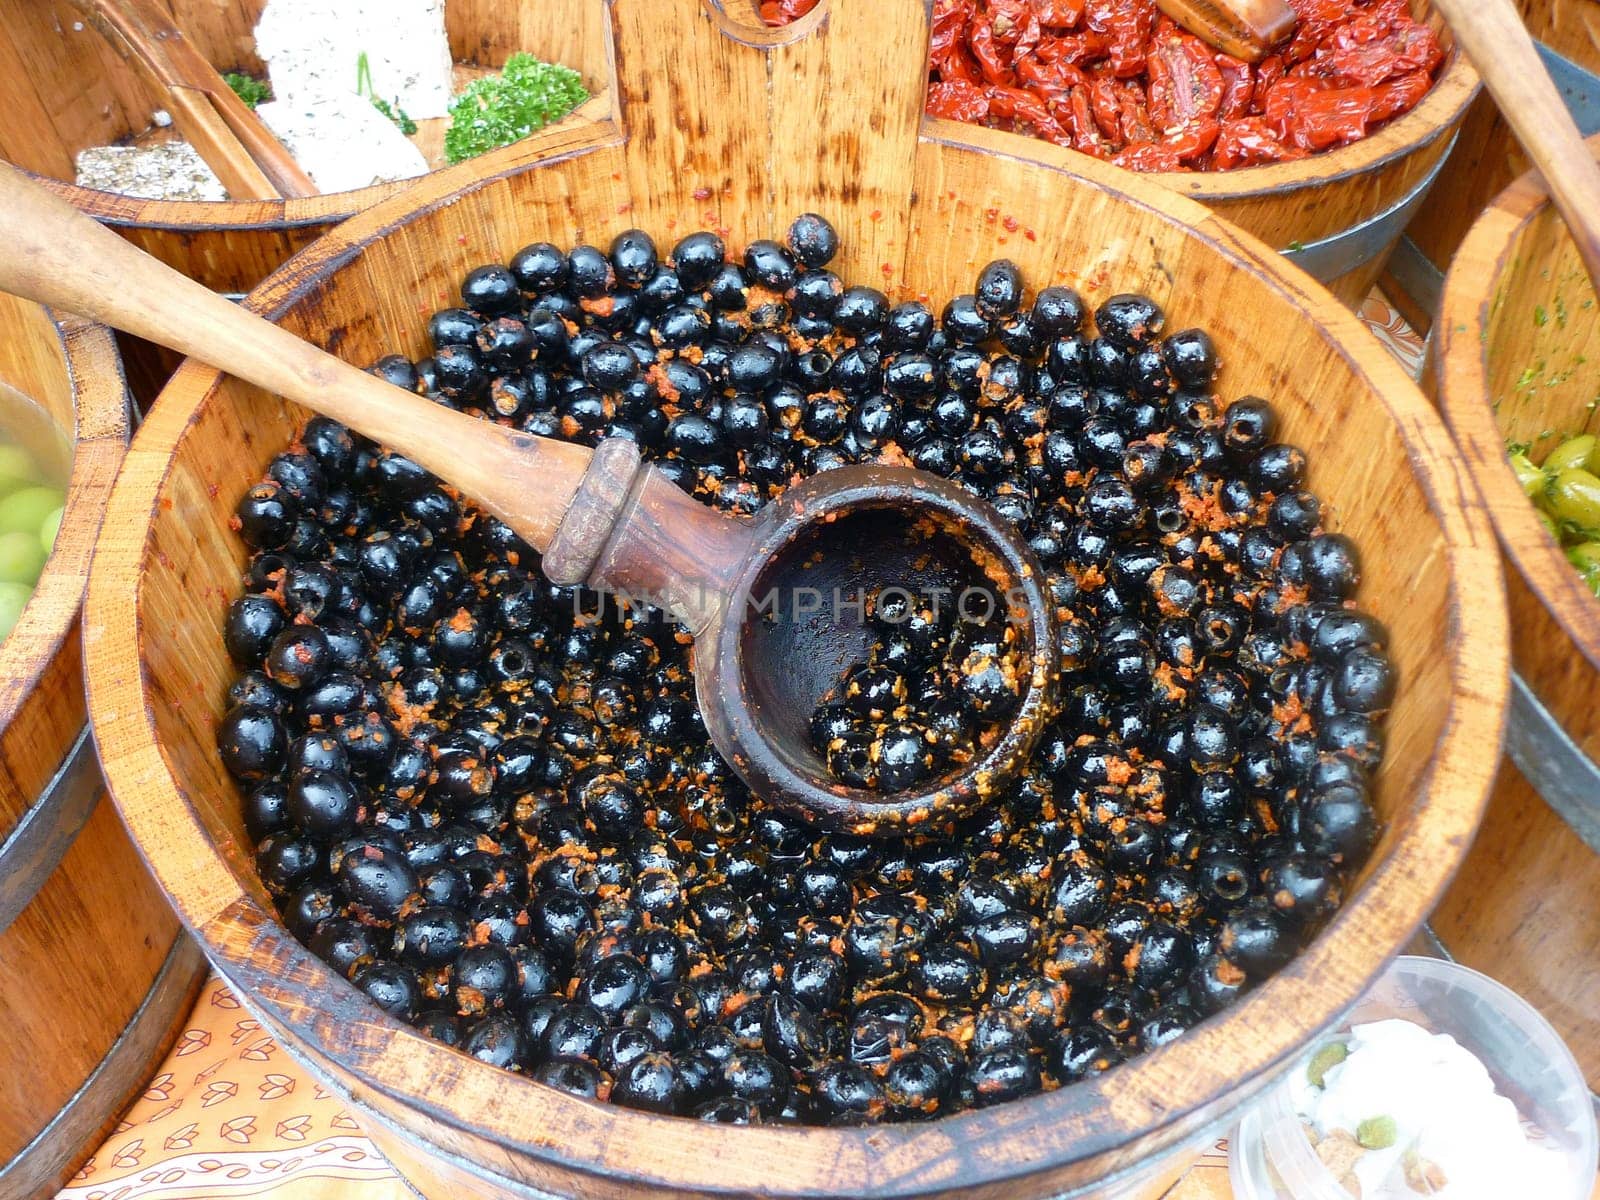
(1270, 1157)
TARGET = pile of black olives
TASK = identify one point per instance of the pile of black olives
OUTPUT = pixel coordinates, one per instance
(491, 804)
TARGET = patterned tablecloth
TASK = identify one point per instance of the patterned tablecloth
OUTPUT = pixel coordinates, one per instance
(228, 1115)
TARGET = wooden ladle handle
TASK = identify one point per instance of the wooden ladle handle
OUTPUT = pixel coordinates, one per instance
(1493, 36)
(59, 257)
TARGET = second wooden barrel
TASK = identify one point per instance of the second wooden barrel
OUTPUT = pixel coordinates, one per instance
(1517, 356)
(97, 974)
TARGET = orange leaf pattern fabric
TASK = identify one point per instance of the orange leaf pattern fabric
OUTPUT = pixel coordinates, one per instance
(228, 1115)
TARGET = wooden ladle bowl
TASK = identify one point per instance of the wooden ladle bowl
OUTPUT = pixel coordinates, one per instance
(739, 129)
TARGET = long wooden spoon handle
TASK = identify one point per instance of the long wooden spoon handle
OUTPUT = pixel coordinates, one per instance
(59, 257)
(1495, 39)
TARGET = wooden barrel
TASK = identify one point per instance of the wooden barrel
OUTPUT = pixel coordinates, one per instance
(1487, 159)
(1337, 215)
(97, 976)
(910, 200)
(1515, 346)
(63, 88)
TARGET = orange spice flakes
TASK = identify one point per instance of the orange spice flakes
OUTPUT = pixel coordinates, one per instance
(1291, 715)
(1167, 678)
(1204, 509)
(1088, 579)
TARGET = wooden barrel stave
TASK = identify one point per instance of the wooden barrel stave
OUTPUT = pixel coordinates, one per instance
(96, 971)
(1520, 909)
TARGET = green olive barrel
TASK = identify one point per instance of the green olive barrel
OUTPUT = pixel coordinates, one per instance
(63, 88)
(97, 974)
(727, 128)
(1516, 356)
(1337, 215)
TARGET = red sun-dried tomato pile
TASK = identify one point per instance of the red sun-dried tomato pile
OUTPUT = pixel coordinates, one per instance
(1116, 79)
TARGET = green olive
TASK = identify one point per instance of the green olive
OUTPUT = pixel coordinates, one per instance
(13, 598)
(1574, 497)
(16, 469)
(21, 558)
(1574, 452)
(24, 511)
(1549, 523)
(50, 528)
(1529, 475)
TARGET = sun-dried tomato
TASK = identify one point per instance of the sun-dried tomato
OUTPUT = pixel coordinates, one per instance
(1249, 143)
(1014, 25)
(1193, 139)
(1053, 81)
(1026, 109)
(1383, 56)
(1081, 47)
(959, 101)
(1086, 135)
(1107, 108)
(990, 55)
(1184, 81)
(1127, 26)
(1136, 124)
(1117, 80)
(949, 27)
(1148, 156)
(1305, 112)
(1238, 87)
(1399, 95)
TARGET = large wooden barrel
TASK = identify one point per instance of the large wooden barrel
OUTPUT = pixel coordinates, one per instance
(1486, 160)
(96, 974)
(1517, 337)
(63, 88)
(909, 199)
(1339, 214)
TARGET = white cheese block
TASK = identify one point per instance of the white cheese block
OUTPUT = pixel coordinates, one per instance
(342, 141)
(312, 48)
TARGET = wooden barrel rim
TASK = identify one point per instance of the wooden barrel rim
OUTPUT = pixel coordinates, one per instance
(29, 656)
(1041, 1132)
(99, 441)
(116, 1080)
(1438, 112)
(1464, 401)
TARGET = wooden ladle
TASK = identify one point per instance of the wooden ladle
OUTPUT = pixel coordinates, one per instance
(1493, 36)
(773, 602)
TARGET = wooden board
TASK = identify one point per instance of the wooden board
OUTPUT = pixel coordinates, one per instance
(85, 934)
